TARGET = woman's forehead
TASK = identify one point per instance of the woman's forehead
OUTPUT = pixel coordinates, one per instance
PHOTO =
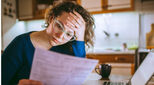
(63, 17)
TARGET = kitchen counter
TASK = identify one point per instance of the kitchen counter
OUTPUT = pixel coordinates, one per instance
(94, 79)
(111, 52)
(105, 56)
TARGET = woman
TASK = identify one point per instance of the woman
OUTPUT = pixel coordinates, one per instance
(68, 28)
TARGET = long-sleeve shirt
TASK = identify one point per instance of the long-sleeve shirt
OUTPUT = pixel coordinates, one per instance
(18, 56)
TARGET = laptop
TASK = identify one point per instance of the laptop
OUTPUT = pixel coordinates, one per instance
(142, 75)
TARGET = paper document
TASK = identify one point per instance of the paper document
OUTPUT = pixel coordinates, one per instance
(53, 68)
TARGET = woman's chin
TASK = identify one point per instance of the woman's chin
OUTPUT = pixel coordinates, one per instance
(55, 44)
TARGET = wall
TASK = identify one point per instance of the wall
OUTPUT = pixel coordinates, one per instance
(10, 31)
(34, 25)
(10, 26)
(146, 20)
(125, 24)
(146, 11)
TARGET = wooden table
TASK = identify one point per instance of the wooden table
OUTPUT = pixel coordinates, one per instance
(114, 57)
(94, 79)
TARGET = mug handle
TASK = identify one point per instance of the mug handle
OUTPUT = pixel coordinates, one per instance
(97, 70)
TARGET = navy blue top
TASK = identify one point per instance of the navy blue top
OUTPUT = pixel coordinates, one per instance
(18, 56)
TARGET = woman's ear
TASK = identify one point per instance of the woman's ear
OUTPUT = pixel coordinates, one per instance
(49, 21)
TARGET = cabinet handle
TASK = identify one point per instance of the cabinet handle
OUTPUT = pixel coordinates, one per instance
(119, 59)
(116, 58)
(90, 57)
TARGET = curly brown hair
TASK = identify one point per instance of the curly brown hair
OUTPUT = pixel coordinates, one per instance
(68, 6)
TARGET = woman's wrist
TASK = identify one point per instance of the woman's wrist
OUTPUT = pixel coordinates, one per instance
(80, 38)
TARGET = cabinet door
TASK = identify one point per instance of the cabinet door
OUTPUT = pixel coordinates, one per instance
(25, 9)
(107, 6)
(118, 4)
(92, 5)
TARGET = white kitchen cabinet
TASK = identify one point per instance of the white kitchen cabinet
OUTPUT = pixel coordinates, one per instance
(107, 6)
(32, 9)
(25, 9)
(118, 4)
(35, 9)
(92, 5)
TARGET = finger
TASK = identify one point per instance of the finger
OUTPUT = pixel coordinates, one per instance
(70, 23)
(79, 16)
(75, 18)
(36, 83)
(73, 22)
(71, 27)
(29, 82)
(24, 82)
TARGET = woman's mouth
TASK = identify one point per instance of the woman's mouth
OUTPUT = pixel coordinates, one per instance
(55, 40)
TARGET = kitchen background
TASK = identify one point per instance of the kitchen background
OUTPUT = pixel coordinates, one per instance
(125, 25)
(112, 29)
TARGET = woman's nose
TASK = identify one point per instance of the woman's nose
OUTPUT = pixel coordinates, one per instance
(60, 35)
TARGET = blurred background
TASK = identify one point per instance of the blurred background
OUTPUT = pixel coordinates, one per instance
(117, 21)
(121, 27)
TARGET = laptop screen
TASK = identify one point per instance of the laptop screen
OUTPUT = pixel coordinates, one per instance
(145, 71)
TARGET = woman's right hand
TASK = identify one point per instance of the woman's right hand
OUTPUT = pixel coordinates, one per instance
(29, 82)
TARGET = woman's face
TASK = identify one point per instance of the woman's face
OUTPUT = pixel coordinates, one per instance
(58, 30)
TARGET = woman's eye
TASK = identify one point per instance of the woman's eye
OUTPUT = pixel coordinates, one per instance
(59, 26)
(68, 34)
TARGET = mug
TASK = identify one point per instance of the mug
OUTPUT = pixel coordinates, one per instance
(104, 70)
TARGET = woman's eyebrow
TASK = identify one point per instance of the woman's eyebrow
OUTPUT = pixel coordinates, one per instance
(60, 23)
(70, 31)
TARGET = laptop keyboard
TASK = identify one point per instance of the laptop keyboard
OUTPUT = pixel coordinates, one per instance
(114, 83)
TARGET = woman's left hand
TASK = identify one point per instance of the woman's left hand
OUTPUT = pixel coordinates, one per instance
(29, 82)
(77, 24)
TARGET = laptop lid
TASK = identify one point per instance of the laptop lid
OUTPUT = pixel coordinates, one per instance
(145, 71)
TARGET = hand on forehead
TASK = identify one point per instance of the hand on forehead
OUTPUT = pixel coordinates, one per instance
(65, 17)
(72, 21)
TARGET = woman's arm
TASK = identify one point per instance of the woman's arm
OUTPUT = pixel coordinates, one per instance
(29, 82)
(79, 48)
(11, 60)
(74, 48)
